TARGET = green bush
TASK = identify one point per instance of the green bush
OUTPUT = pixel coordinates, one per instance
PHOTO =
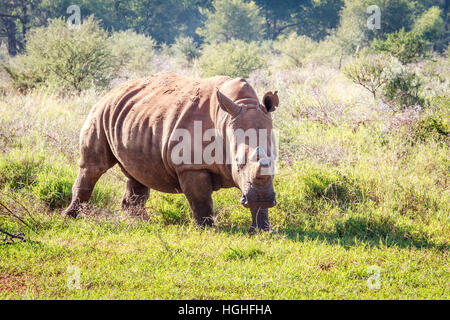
(403, 90)
(388, 80)
(65, 58)
(54, 183)
(19, 171)
(295, 49)
(54, 187)
(50, 183)
(132, 52)
(368, 71)
(430, 25)
(232, 19)
(435, 122)
(405, 46)
(235, 59)
(185, 49)
(431, 126)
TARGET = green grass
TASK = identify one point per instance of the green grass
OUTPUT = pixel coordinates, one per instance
(358, 188)
(147, 261)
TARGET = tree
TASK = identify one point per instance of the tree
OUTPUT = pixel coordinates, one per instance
(294, 49)
(15, 20)
(164, 20)
(353, 32)
(405, 46)
(278, 15)
(430, 25)
(232, 19)
(132, 52)
(64, 58)
(235, 58)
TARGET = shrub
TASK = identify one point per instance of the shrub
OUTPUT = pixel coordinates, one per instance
(435, 122)
(64, 58)
(54, 187)
(235, 59)
(430, 25)
(185, 49)
(132, 52)
(54, 183)
(431, 126)
(232, 19)
(387, 79)
(18, 171)
(369, 72)
(295, 49)
(403, 90)
(405, 46)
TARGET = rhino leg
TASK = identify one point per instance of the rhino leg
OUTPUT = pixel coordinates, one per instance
(95, 159)
(197, 187)
(135, 197)
(260, 219)
(82, 189)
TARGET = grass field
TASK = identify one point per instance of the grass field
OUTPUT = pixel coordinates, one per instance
(363, 207)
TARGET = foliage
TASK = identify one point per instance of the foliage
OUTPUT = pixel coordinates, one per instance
(353, 33)
(357, 186)
(232, 19)
(369, 72)
(406, 46)
(432, 126)
(403, 90)
(186, 49)
(65, 58)
(235, 58)
(133, 52)
(400, 87)
(430, 26)
(295, 49)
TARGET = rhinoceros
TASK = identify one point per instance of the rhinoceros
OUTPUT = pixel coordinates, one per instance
(141, 126)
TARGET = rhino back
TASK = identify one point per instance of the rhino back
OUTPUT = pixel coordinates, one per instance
(139, 118)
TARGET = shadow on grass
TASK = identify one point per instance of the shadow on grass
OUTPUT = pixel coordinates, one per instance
(357, 231)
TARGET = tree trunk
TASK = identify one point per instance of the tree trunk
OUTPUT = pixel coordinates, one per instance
(11, 34)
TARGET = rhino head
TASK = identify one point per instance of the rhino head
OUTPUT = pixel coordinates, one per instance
(250, 143)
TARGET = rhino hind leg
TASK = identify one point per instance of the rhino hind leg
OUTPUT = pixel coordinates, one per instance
(96, 158)
(82, 189)
(197, 187)
(134, 198)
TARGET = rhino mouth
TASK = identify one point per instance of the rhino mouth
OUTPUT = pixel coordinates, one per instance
(258, 203)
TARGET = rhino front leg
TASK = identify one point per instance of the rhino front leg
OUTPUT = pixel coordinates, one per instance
(134, 198)
(197, 187)
(260, 219)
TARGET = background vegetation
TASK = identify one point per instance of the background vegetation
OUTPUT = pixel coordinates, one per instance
(364, 160)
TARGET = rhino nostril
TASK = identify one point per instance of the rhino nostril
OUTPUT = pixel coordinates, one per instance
(258, 153)
(264, 162)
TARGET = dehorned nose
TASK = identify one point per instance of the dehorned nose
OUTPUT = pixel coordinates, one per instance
(258, 153)
(264, 162)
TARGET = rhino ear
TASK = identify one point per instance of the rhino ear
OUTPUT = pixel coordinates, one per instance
(227, 104)
(271, 101)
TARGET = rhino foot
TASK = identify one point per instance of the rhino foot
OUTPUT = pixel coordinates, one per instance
(70, 213)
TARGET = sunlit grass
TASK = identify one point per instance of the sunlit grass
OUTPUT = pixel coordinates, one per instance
(353, 191)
